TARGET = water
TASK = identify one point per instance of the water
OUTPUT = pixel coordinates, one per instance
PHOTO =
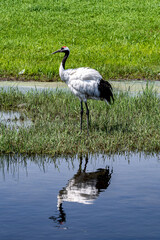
(133, 87)
(14, 119)
(94, 197)
(32, 86)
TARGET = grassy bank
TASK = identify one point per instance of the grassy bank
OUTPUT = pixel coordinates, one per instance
(130, 124)
(119, 38)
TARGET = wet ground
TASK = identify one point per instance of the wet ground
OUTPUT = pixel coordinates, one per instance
(91, 197)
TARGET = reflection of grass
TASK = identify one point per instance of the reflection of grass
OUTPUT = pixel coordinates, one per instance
(131, 123)
(13, 163)
(118, 38)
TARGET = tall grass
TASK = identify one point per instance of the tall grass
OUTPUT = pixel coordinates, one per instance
(120, 38)
(130, 124)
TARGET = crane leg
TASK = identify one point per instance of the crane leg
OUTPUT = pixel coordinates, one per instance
(81, 114)
(87, 113)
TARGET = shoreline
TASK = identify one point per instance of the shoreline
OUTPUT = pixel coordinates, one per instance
(121, 85)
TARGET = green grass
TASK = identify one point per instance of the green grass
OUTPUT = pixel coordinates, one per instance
(120, 38)
(130, 124)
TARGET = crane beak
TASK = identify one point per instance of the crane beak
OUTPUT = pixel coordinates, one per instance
(56, 51)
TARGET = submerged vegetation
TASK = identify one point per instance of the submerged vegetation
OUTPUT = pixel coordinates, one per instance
(130, 124)
(118, 38)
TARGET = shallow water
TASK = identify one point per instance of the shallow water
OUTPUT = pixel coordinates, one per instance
(31, 86)
(14, 119)
(133, 87)
(92, 197)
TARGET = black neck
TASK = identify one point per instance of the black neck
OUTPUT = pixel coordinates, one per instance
(65, 58)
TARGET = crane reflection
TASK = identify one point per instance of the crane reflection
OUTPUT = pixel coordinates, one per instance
(84, 187)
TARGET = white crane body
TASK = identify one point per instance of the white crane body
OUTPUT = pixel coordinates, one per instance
(85, 83)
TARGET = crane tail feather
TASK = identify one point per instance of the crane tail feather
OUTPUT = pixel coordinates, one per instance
(105, 90)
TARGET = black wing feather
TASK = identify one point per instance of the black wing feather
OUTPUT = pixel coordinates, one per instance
(105, 90)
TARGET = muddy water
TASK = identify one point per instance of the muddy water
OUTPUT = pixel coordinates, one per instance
(91, 197)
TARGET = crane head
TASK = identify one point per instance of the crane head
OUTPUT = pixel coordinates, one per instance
(63, 49)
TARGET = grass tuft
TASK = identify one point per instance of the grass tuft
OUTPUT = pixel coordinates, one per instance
(130, 124)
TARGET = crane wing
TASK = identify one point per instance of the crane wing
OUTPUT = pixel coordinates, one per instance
(83, 82)
(84, 89)
(83, 74)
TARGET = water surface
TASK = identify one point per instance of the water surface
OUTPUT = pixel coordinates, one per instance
(132, 87)
(89, 197)
(14, 119)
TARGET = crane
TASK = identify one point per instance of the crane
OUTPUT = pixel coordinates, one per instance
(85, 83)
